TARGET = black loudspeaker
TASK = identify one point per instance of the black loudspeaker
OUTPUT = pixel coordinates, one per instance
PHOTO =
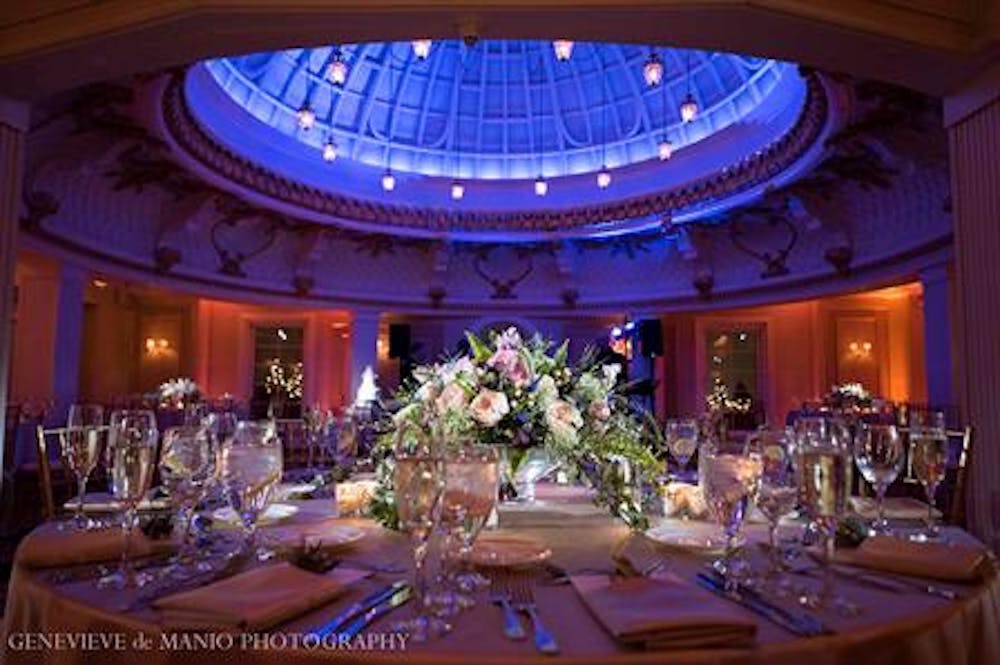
(399, 340)
(650, 335)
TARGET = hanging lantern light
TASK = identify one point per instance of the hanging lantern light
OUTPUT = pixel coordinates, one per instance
(541, 186)
(603, 178)
(421, 48)
(563, 49)
(665, 150)
(306, 117)
(652, 71)
(457, 190)
(689, 108)
(388, 181)
(337, 69)
(329, 150)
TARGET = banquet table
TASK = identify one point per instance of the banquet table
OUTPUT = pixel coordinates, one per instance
(912, 628)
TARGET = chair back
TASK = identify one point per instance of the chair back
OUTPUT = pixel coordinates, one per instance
(44, 438)
(12, 418)
(954, 510)
(294, 437)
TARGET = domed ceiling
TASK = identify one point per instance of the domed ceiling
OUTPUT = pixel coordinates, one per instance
(500, 115)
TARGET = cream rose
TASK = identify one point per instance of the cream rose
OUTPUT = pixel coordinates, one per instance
(452, 398)
(599, 410)
(547, 391)
(488, 407)
(563, 419)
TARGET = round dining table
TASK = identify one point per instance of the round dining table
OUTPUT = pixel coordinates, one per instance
(66, 619)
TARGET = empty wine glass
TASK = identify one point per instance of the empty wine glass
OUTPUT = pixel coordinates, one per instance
(186, 464)
(929, 453)
(248, 468)
(878, 452)
(682, 440)
(132, 440)
(778, 492)
(419, 482)
(81, 448)
(731, 480)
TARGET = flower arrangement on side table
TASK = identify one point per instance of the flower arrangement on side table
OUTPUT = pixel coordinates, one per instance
(177, 393)
(520, 394)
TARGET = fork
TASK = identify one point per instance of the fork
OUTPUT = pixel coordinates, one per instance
(524, 601)
(500, 595)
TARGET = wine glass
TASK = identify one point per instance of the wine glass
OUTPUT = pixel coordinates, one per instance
(929, 452)
(878, 452)
(822, 491)
(419, 482)
(731, 480)
(81, 448)
(249, 467)
(470, 494)
(682, 440)
(132, 440)
(778, 492)
(186, 465)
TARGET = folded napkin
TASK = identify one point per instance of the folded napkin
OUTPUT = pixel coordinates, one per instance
(664, 613)
(896, 508)
(255, 600)
(48, 548)
(941, 561)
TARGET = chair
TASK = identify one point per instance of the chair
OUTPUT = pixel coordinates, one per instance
(294, 437)
(952, 490)
(48, 479)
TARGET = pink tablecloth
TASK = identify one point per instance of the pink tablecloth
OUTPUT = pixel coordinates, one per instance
(912, 628)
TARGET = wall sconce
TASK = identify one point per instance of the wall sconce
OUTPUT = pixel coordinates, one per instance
(156, 348)
(860, 350)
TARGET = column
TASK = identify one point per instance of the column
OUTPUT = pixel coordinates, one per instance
(973, 119)
(13, 128)
(69, 338)
(364, 347)
(937, 335)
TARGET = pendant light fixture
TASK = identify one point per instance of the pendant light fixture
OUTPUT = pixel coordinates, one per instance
(563, 49)
(329, 150)
(421, 48)
(457, 188)
(689, 107)
(337, 70)
(603, 176)
(388, 179)
(306, 117)
(652, 71)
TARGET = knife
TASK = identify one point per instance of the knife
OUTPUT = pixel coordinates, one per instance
(360, 607)
(757, 605)
(398, 599)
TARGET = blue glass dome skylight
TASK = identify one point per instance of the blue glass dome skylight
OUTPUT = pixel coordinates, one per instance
(502, 109)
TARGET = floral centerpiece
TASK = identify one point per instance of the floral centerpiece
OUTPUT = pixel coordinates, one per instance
(849, 396)
(521, 394)
(177, 393)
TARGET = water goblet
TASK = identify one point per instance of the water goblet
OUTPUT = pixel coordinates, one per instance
(681, 437)
(878, 453)
(186, 465)
(929, 455)
(419, 483)
(81, 449)
(731, 480)
(778, 492)
(248, 469)
(132, 440)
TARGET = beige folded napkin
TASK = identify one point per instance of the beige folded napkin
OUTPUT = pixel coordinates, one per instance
(255, 600)
(896, 508)
(663, 612)
(47, 547)
(937, 560)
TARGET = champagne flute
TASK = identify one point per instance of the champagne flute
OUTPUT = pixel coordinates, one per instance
(419, 482)
(682, 440)
(878, 452)
(929, 451)
(731, 480)
(778, 492)
(249, 468)
(81, 444)
(132, 441)
(186, 464)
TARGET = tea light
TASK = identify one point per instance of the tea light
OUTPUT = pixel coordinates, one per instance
(353, 496)
(683, 500)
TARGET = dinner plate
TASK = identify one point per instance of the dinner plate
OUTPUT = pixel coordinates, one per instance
(295, 491)
(102, 502)
(276, 512)
(698, 537)
(498, 550)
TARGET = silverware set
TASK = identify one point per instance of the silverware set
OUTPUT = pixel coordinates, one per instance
(361, 614)
(513, 592)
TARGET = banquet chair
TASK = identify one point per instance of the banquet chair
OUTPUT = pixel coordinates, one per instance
(952, 490)
(294, 437)
(51, 481)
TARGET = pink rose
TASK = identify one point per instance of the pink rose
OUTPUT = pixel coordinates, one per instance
(599, 410)
(452, 398)
(489, 406)
(512, 366)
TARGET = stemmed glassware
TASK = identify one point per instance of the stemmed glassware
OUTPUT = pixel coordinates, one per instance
(878, 452)
(249, 467)
(929, 454)
(730, 481)
(681, 436)
(132, 440)
(419, 483)
(81, 448)
(778, 492)
(186, 465)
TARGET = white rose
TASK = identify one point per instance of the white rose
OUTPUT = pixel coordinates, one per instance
(611, 372)
(489, 406)
(563, 419)
(547, 391)
(599, 410)
(452, 398)
(427, 392)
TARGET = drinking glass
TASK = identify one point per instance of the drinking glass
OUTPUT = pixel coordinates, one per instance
(186, 464)
(730, 482)
(132, 439)
(682, 440)
(81, 448)
(929, 452)
(878, 452)
(778, 492)
(419, 482)
(248, 468)
(470, 494)
(822, 484)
